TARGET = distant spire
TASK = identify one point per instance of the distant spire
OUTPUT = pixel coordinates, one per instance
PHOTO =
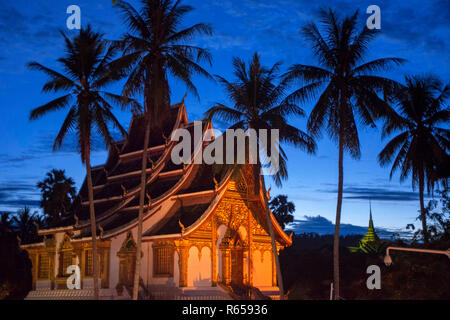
(370, 236)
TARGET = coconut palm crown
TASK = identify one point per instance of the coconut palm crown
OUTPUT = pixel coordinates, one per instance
(87, 71)
(422, 139)
(345, 89)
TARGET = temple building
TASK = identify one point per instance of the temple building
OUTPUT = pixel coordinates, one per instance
(370, 236)
(370, 243)
(205, 231)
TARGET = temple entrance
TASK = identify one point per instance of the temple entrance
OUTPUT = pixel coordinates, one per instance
(237, 264)
(232, 250)
(127, 263)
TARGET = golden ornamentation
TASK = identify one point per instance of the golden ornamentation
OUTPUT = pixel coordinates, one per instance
(181, 226)
(166, 139)
(101, 231)
(216, 184)
(182, 247)
(124, 191)
(151, 162)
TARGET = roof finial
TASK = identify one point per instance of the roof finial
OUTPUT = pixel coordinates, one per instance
(182, 226)
(370, 214)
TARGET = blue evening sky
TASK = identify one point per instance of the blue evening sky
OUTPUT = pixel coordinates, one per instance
(415, 30)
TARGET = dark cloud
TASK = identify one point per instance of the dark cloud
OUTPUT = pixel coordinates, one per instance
(20, 203)
(16, 194)
(375, 193)
(321, 225)
(44, 143)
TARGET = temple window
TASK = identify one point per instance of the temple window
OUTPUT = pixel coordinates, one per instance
(89, 264)
(65, 260)
(43, 266)
(163, 261)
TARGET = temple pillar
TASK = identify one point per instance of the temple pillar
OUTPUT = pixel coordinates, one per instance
(214, 252)
(52, 266)
(182, 247)
(274, 270)
(226, 264)
(250, 249)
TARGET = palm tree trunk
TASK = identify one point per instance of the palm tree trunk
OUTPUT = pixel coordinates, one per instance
(423, 216)
(338, 218)
(141, 209)
(93, 225)
(274, 246)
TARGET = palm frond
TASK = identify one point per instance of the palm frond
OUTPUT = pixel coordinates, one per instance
(57, 104)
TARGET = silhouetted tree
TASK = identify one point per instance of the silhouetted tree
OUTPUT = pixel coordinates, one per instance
(258, 103)
(58, 193)
(6, 223)
(87, 72)
(282, 209)
(155, 47)
(24, 224)
(347, 89)
(422, 142)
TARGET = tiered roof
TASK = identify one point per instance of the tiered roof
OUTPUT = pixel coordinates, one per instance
(371, 235)
(117, 184)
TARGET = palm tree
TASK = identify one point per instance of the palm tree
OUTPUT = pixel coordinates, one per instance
(24, 224)
(86, 73)
(282, 209)
(6, 225)
(349, 88)
(153, 49)
(258, 104)
(58, 193)
(421, 144)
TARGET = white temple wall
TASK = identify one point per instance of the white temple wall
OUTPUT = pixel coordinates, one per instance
(116, 244)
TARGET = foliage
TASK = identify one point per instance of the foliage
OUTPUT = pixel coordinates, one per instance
(58, 193)
(258, 102)
(307, 271)
(439, 220)
(155, 47)
(15, 269)
(348, 90)
(87, 71)
(282, 209)
(421, 143)
(25, 225)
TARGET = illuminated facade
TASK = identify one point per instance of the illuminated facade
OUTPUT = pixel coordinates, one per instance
(203, 230)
